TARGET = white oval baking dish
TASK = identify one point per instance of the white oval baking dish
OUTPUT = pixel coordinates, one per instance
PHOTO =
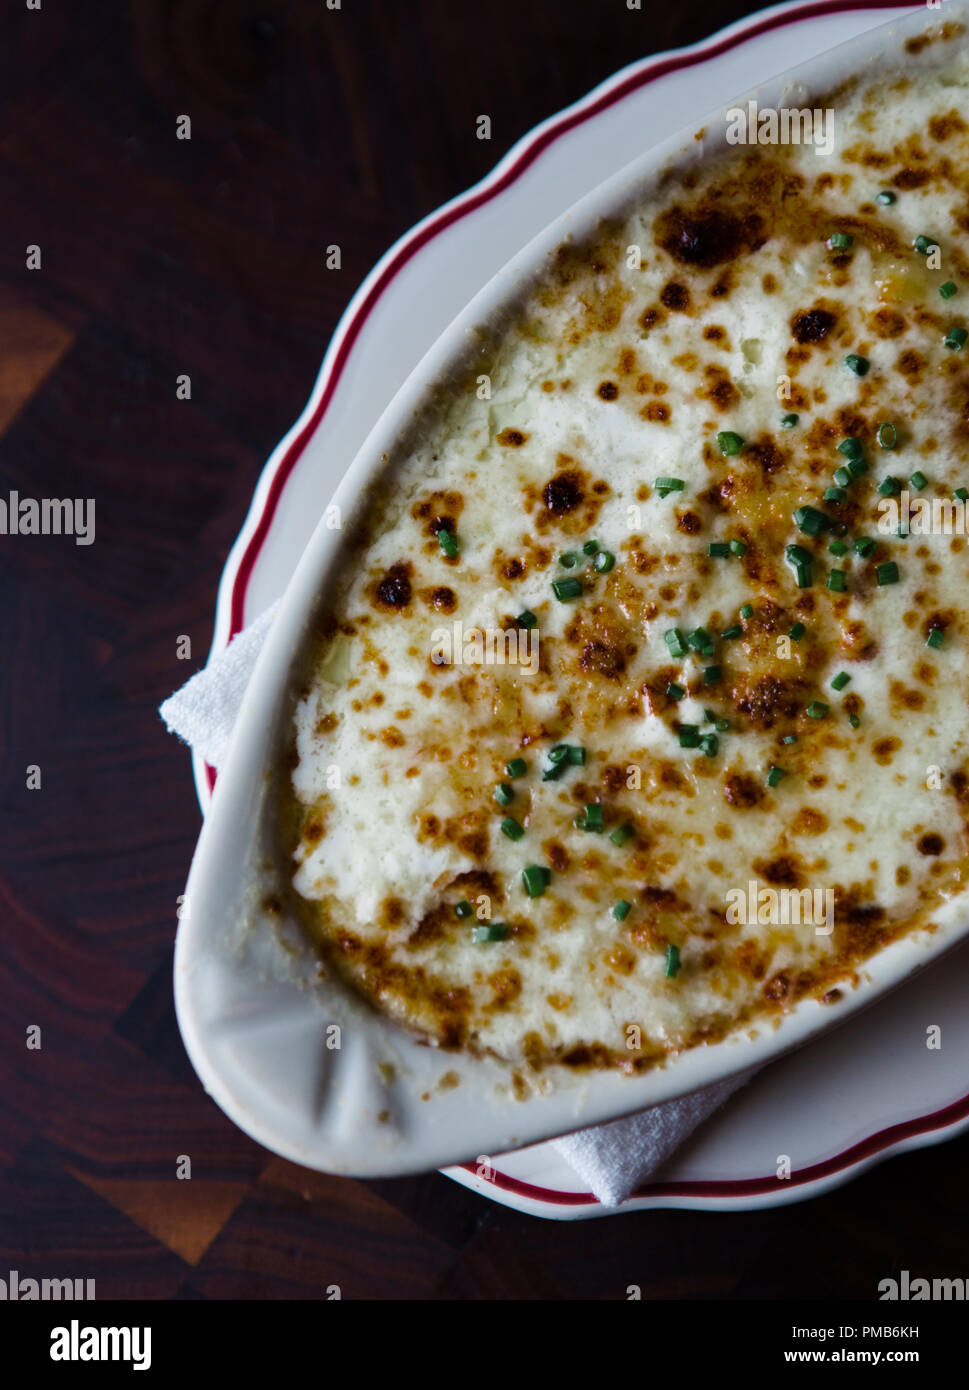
(306, 1068)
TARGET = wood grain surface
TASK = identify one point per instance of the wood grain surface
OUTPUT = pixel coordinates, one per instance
(161, 257)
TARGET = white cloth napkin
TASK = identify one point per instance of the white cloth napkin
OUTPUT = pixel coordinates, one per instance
(614, 1158)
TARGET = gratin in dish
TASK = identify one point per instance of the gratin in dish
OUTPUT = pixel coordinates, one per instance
(662, 479)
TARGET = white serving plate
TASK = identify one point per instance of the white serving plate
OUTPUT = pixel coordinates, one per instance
(258, 1046)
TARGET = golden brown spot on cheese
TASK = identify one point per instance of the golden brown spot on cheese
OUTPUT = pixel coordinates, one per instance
(604, 659)
(511, 438)
(439, 509)
(506, 986)
(884, 749)
(566, 491)
(808, 821)
(393, 591)
(706, 236)
(912, 178)
(911, 364)
(887, 323)
(650, 317)
(812, 325)
(944, 127)
(770, 698)
(440, 598)
(675, 296)
(718, 388)
(783, 871)
(742, 790)
(931, 844)
(608, 391)
(509, 567)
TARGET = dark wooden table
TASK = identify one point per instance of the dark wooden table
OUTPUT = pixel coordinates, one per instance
(161, 257)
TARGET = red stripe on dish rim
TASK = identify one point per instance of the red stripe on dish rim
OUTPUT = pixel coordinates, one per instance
(676, 61)
(875, 1144)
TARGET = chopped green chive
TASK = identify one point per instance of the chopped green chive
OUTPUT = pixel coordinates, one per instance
(504, 794)
(789, 421)
(797, 555)
(674, 691)
(924, 244)
(887, 573)
(463, 908)
(448, 542)
(843, 477)
(858, 365)
(718, 550)
(949, 290)
(621, 910)
(802, 573)
(840, 241)
(838, 548)
(603, 562)
(850, 447)
(962, 494)
(590, 547)
(622, 835)
(746, 610)
(567, 589)
(864, 545)
(797, 632)
(730, 443)
(689, 736)
(710, 745)
(664, 486)
(836, 581)
(730, 632)
(672, 961)
(535, 879)
(568, 560)
(956, 339)
(516, 768)
(527, 619)
(709, 715)
(712, 674)
(591, 819)
(935, 638)
(789, 738)
(738, 548)
(886, 197)
(817, 709)
(918, 481)
(700, 640)
(834, 494)
(839, 681)
(673, 638)
(853, 720)
(560, 757)
(490, 931)
(811, 521)
(774, 775)
(889, 487)
(857, 467)
(511, 828)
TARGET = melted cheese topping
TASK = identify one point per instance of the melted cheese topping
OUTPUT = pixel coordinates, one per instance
(718, 306)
